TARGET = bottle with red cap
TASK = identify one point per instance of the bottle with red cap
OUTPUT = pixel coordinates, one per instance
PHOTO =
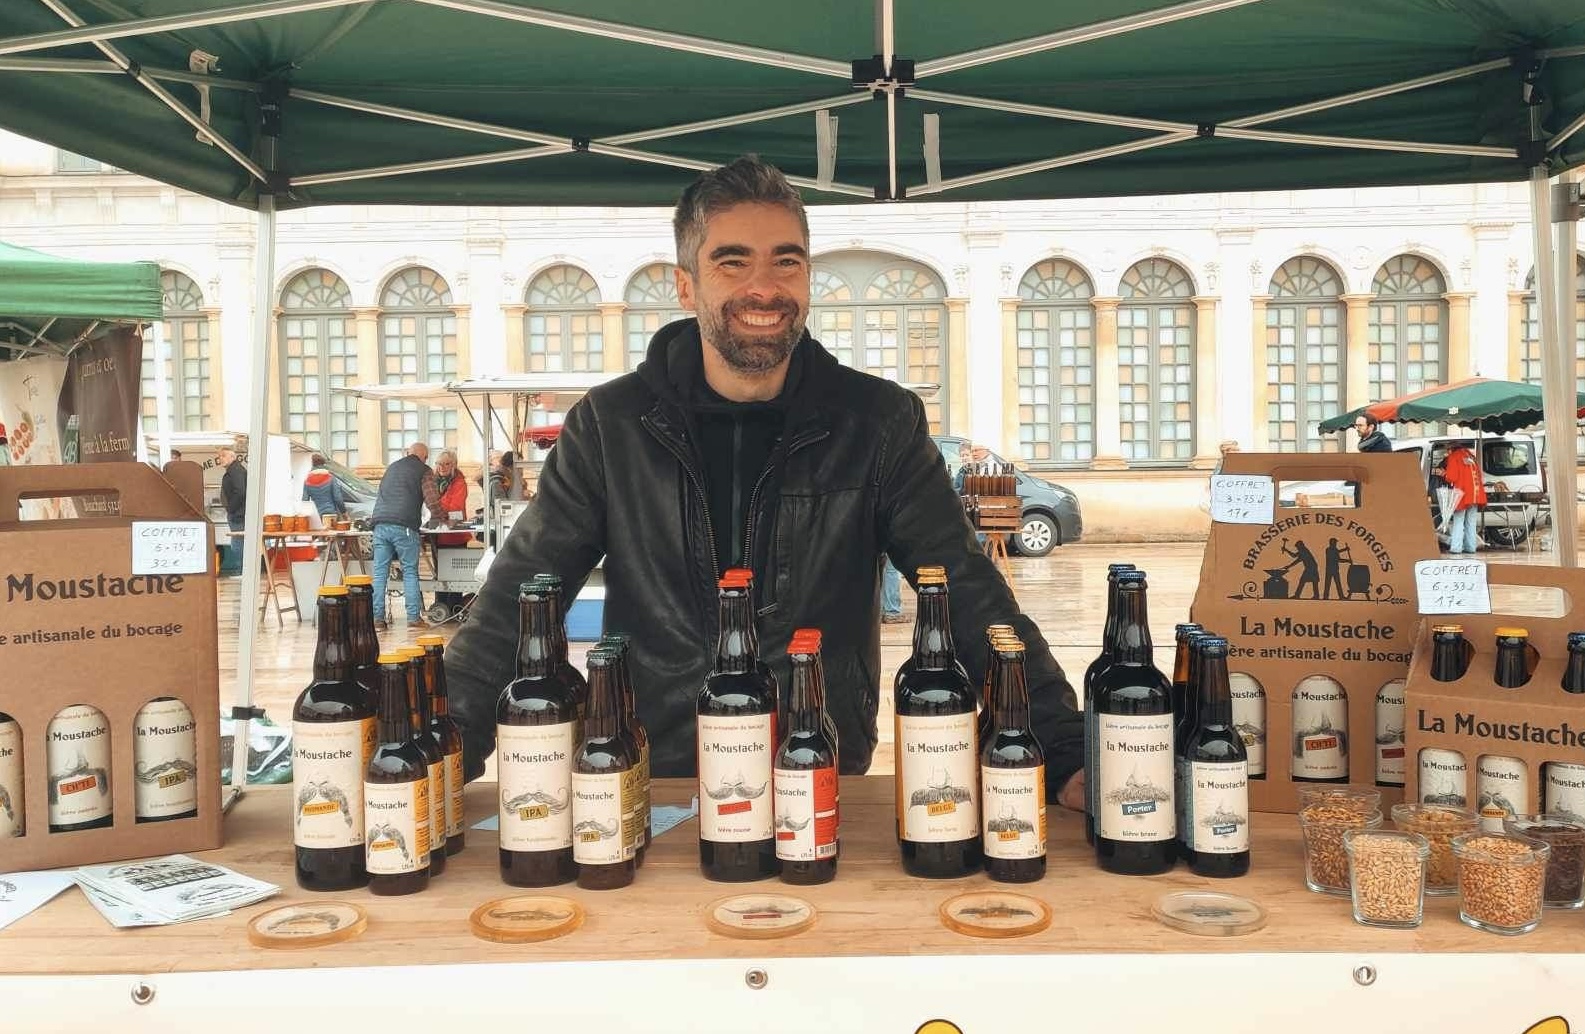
(806, 773)
(736, 728)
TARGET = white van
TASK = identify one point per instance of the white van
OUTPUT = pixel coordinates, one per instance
(1514, 476)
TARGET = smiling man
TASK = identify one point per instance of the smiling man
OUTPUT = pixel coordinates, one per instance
(741, 442)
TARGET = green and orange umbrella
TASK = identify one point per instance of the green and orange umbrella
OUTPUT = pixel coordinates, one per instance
(1494, 407)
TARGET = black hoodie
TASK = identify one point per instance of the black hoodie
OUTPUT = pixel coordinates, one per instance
(1375, 441)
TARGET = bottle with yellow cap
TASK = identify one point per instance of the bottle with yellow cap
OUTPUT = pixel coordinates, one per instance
(364, 640)
(434, 759)
(396, 790)
(445, 730)
(333, 732)
(937, 759)
(1513, 658)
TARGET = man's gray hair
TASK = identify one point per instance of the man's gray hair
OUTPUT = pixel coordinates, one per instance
(748, 180)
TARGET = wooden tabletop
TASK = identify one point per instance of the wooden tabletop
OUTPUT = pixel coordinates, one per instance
(872, 908)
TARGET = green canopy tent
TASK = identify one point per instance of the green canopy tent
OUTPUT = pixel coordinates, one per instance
(49, 303)
(280, 103)
(1490, 406)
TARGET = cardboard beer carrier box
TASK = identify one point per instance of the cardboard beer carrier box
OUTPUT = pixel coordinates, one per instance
(1317, 601)
(1534, 725)
(101, 616)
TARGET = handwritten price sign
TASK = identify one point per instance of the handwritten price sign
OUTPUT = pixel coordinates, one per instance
(1243, 499)
(1452, 587)
(170, 547)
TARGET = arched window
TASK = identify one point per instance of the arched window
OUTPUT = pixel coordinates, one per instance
(418, 345)
(1408, 330)
(1304, 355)
(319, 352)
(1155, 361)
(187, 368)
(1056, 363)
(886, 316)
(561, 330)
(1530, 356)
(651, 298)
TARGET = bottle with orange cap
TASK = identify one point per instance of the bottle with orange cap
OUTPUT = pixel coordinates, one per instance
(445, 730)
(736, 729)
(396, 790)
(363, 639)
(805, 781)
(434, 759)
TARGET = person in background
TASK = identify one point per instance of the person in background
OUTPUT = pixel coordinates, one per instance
(322, 489)
(1461, 474)
(453, 489)
(891, 594)
(1371, 436)
(234, 497)
(505, 484)
(407, 487)
(176, 455)
(1225, 447)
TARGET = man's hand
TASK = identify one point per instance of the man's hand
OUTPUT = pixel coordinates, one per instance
(1072, 795)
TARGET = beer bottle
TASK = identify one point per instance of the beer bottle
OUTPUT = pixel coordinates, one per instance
(1135, 824)
(534, 720)
(1574, 671)
(600, 811)
(1012, 778)
(813, 646)
(1502, 788)
(1391, 720)
(558, 628)
(1449, 653)
(365, 641)
(1249, 718)
(983, 722)
(1180, 668)
(1444, 777)
(637, 821)
(1513, 658)
(746, 576)
(937, 762)
(805, 782)
(1218, 775)
(736, 716)
(1183, 727)
(12, 801)
(445, 730)
(333, 738)
(78, 759)
(165, 761)
(396, 790)
(1320, 731)
(1100, 664)
(434, 759)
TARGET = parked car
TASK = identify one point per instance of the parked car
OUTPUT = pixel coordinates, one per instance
(1050, 512)
(1513, 473)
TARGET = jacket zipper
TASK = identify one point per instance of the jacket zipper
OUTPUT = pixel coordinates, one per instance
(753, 499)
(704, 500)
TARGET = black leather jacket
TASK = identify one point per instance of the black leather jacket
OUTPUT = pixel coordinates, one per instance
(856, 474)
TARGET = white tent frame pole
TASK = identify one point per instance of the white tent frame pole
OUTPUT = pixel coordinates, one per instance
(91, 66)
(253, 524)
(162, 402)
(427, 118)
(83, 33)
(438, 165)
(1557, 375)
(1568, 131)
(162, 94)
(1371, 94)
(651, 37)
(1069, 37)
(1014, 171)
(699, 165)
(1566, 441)
(727, 121)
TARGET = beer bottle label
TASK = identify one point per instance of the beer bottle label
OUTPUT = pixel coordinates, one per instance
(1015, 812)
(1218, 809)
(534, 763)
(806, 814)
(437, 810)
(1390, 747)
(1135, 766)
(1249, 719)
(598, 809)
(632, 820)
(1320, 729)
(397, 819)
(11, 803)
(643, 791)
(938, 778)
(328, 763)
(165, 759)
(454, 785)
(1565, 790)
(1502, 787)
(735, 759)
(1444, 777)
(78, 756)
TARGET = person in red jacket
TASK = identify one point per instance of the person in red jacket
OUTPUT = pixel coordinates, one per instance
(453, 488)
(1461, 472)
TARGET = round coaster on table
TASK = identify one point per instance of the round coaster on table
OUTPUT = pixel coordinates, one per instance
(1207, 913)
(997, 914)
(759, 916)
(308, 924)
(523, 918)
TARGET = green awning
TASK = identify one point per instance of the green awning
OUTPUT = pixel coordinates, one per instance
(1493, 406)
(47, 303)
(618, 102)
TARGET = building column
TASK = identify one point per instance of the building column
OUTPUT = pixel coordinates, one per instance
(984, 330)
(485, 351)
(217, 370)
(957, 386)
(1108, 409)
(1208, 420)
(236, 333)
(613, 336)
(1488, 316)
(1356, 390)
(467, 445)
(1459, 365)
(1261, 396)
(512, 328)
(371, 425)
(1011, 436)
(1514, 336)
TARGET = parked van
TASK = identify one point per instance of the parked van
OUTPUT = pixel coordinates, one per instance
(1514, 477)
(290, 462)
